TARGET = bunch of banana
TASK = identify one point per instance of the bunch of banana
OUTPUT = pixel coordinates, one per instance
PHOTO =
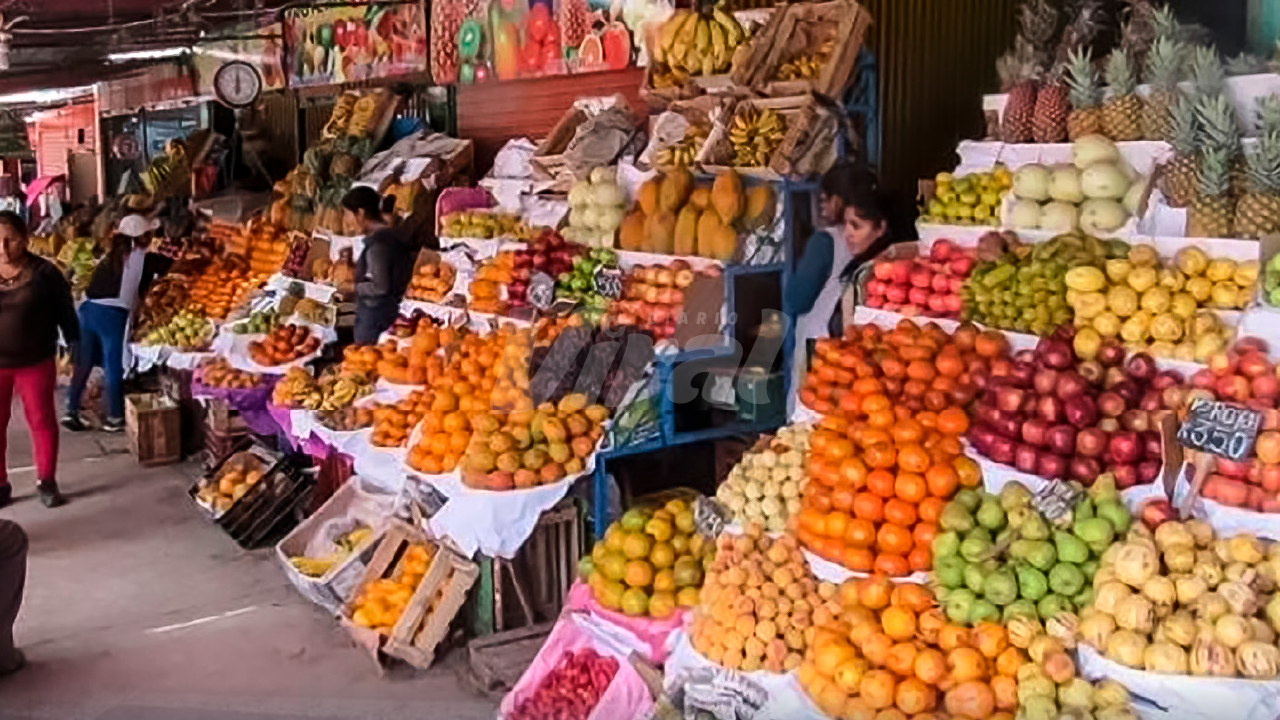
(346, 544)
(682, 154)
(339, 391)
(698, 43)
(754, 135)
(804, 67)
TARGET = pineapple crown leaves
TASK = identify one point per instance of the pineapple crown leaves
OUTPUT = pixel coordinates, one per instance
(1082, 79)
(1218, 127)
(1262, 164)
(1206, 71)
(1164, 64)
(1267, 114)
(1119, 73)
(1166, 24)
(1138, 30)
(1245, 64)
(1038, 23)
(1214, 175)
(1186, 126)
(1018, 64)
(1081, 31)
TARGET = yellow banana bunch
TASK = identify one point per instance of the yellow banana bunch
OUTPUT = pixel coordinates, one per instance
(806, 66)
(754, 134)
(696, 44)
(682, 154)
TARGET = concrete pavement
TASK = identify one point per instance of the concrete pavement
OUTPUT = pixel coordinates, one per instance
(138, 608)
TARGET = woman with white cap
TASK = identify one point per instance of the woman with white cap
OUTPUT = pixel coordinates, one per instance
(118, 283)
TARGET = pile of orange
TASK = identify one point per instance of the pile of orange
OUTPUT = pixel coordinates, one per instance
(380, 603)
(432, 281)
(488, 286)
(919, 367)
(877, 487)
(891, 654)
(392, 422)
(221, 286)
(477, 378)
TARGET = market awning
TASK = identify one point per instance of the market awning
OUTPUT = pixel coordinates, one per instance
(40, 184)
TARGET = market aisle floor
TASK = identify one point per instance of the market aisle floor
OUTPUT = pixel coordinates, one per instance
(137, 609)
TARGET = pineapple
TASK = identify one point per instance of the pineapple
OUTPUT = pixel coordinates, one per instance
(1038, 23)
(1122, 111)
(1049, 125)
(1178, 176)
(1258, 212)
(1212, 213)
(1246, 64)
(1138, 30)
(1085, 117)
(1164, 64)
(1218, 128)
(1206, 72)
(1080, 32)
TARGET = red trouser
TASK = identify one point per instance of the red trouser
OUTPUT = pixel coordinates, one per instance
(35, 385)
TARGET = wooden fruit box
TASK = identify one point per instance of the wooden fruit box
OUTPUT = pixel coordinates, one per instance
(716, 155)
(701, 110)
(434, 603)
(752, 54)
(153, 423)
(660, 99)
(844, 23)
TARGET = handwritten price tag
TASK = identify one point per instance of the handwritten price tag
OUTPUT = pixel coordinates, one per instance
(1220, 428)
(1055, 499)
(608, 282)
(541, 291)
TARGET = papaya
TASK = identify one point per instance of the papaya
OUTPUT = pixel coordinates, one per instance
(631, 231)
(726, 196)
(659, 232)
(675, 190)
(762, 206)
(648, 196)
(724, 244)
(700, 197)
(709, 226)
(686, 234)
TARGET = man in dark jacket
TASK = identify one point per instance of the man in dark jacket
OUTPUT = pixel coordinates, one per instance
(13, 574)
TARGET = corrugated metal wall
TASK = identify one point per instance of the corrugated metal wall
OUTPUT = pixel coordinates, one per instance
(936, 60)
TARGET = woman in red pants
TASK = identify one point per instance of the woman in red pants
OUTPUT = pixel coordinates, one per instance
(35, 303)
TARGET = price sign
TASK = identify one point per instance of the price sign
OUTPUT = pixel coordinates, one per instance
(1220, 428)
(541, 291)
(1055, 499)
(608, 282)
(710, 517)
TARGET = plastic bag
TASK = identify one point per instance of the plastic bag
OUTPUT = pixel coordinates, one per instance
(626, 697)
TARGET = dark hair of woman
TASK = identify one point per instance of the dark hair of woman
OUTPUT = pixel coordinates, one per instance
(14, 221)
(366, 199)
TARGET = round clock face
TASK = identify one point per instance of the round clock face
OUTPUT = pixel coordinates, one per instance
(237, 84)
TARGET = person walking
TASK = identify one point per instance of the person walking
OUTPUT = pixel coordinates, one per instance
(35, 304)
(383, 269)
(118, 285)
(13, 575)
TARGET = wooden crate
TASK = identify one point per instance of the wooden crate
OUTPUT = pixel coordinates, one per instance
(531, 587)
(496, 662)
(848, 23)
(267, 510)
(717, 153)
(154, 427)
(434, 604)
(217, 447)
(223, 419)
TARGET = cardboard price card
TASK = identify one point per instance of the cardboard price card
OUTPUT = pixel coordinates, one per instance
(1220, 428)
(1055, 499)
(710, 517)
(541, 291)
(608, 282)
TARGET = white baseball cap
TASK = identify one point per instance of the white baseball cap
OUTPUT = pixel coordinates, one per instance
(135, 225)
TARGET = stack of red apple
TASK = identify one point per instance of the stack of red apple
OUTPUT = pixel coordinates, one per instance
(1245, 375)
(653, 297)
(928, 285)
(549, 253)
(1048, 413)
